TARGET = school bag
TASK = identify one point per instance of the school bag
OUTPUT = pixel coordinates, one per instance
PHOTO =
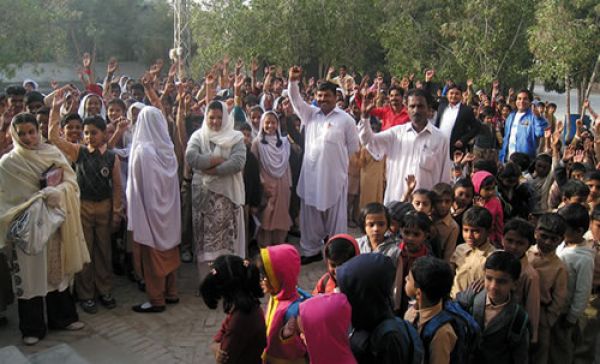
(293, 309)
(465, 327)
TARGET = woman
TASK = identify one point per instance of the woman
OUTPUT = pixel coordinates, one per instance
(273, 152)
(154, 213)
(217, 154)
(48, 274)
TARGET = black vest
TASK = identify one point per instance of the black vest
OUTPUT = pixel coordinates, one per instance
(94, 174)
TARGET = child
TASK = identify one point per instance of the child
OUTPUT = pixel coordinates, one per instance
(72, 127)
(513, 194)
(552, 271)
(339, 249)
(445, 226)
(374, 222)
(588, 346)
(592, 180)
(280, 267)
(518, 237)
(463, 193)
(242, 337)
(397, 211)
(116, 109)
(505, 336)
(273, 152)
(579, 260)
(429, 282)
(252, 185)
(422, 200)
(486, 143)
(484, 185)
(575, 192)
(99, 179)
(469, 258)
(323, 325)
(543, 177)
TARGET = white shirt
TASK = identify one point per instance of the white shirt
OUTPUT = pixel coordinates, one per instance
(514, 128)
(449, 119)
(424, 154)
(330, 140)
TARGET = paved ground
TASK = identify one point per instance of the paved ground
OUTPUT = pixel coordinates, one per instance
(181, 334)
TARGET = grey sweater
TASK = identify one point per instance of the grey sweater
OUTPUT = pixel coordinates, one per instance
(579, 260)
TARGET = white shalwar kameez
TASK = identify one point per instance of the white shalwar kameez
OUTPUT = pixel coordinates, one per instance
(330, 140)
(424, 155)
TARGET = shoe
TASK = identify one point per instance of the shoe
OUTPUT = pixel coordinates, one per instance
(108, 301)
(30, 340)
(147, 308)
(74, 326)
(89, 306)
(172, 301)
(311, 259)
(186, 257)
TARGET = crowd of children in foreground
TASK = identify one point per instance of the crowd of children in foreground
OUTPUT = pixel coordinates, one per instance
(480, 270)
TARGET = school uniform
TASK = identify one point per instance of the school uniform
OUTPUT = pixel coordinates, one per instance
(527, 294)
(447, 235)
(553, 293)
(469, 263)
(443, 340)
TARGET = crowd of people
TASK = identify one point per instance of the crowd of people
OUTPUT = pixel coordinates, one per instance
(479, 213)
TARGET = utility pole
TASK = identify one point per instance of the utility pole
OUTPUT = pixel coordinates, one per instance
(182, 41)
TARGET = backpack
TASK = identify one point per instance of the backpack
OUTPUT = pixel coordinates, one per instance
(410, 337)
(465, 327)
(293, 309)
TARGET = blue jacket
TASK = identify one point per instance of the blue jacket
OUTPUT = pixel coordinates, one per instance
(531, 128)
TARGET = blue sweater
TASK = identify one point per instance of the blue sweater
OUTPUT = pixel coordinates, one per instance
(531, 128)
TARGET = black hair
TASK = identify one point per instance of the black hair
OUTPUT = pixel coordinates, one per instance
(595, 215)
(508, 106)
(24, 118)
(487, 112)
(44, 110)
(576, 216)
(115, 86)
(96, 121)
(245, 127)
(510, 170)
(504, 261)
(15, 90)
(543, 157)
(235, 281)
(120, 103)
(523, 227)
(575, 188)
(370, 209)
(554, 223)
(529, 94)
(256, 108)
(137, 86)
(551, 105)
(250, 99)
(340, 250)
(592, 175)
(33, 96)
(327, 86)
(434, 277)
(454, 86)
(2, 97)
(426, 192)
(399, 89)
(463, 182)
(263, 140)
(578, 167)
(478, 216)
(215, 105)
(521, 159)
(398, 210)
(65, 119)
(417, 92)
(418, 220)
(486, 165)
(441, 189)
(487, 182)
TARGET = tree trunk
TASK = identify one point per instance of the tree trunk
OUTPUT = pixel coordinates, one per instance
(568, 108)
(579, 96)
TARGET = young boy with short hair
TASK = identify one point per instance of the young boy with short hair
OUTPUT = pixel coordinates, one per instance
(574, 192)
(503, 322)
(469, 258)
(519, 235)
(446, 228)
(549, 233)
(592, 180)
(579, 260)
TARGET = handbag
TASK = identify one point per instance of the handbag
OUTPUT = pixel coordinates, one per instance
(31, 230)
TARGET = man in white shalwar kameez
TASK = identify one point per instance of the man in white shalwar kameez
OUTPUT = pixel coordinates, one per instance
(331, 137)
(417, 148)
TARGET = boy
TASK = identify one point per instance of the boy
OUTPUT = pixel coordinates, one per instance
(519, 235)
(505, 336)
(575, 192)
(444, 224)
(579, 260)
(469, 258)
(592, 180)
(99, 178)
(429, 282)
(549, 233)
(374, 222)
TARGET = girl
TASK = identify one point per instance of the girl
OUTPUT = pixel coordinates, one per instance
(47, 275)
(422, 200)
(280, 267)
(339, 249)
(72, 127)
(463, 199)
(514, 195)
(92, 105)
(217, 154)
(542, 172)
(374, 222)
(154, 210)
(484, 185)
(273, 152)
(255, 114)
(242, 337)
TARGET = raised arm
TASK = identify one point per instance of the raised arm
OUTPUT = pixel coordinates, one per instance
(378, 144)
(301, 108)
(70, 150)
(111, 68)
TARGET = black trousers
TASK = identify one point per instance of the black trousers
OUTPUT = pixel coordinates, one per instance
(60, 307)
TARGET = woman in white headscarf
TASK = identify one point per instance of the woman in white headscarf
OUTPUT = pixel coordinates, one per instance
(217, 155)
(154, 213)
(92, 105)
(273, 152)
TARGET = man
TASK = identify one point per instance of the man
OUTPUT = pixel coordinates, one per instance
(330, 138)
(344, 80)
(523, 128)
(417, 148)
(456, 121)
(392, 114)
(15, 95)
(33, 101)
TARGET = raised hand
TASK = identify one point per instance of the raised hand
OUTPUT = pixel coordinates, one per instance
(226, 60)
(239, 81)
(586, 104)
(295, 73)
(367, 105)
(411, 182)
(238, 65)
(87, 60)
(469, 157)
(254, 65)
(495, 85)
(579, 156)
(209, 79)
(60, 97)
(429, 74)
(54, 84)
(458, 156)
(470, 82)
(112, 66)
(331, 70)
(173, 70)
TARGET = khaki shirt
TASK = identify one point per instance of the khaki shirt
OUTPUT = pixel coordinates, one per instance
(443, 341)
(527, 294)
(447, 235)
(469, 264)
